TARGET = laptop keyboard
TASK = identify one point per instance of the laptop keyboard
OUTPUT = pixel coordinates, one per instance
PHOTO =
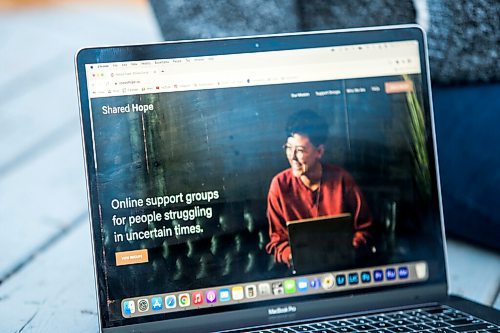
(440, 319)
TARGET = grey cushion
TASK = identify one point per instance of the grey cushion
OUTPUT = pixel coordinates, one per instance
(464, 39)
(320, 14)
(211, 18)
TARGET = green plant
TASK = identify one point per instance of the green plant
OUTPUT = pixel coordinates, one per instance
(419, 140)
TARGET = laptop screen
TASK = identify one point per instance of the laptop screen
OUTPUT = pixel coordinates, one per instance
(235, 174)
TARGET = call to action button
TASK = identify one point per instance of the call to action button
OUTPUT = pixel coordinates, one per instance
(131, 257)
(398, 87)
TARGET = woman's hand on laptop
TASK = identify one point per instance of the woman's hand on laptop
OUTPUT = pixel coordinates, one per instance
(359, 239)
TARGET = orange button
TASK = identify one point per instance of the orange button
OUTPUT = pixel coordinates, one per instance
(131, 257)
(398, 87)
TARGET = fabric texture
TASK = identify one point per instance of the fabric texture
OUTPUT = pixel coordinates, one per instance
(464, 39)
(469, 161)
(211, 18)
(320, 14)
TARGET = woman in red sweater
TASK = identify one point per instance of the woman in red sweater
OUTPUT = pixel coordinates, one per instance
(311, 188)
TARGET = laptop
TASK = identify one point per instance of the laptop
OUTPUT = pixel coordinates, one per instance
(321, 243)
(198, 152)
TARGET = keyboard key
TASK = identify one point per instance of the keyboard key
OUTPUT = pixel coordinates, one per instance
(320, 325)
(363, 328)
(396, 316)
(340, 323)
(381, 324)
(379, 318)
(435, 317)
(400, 322)
(360, 321)
(399, 329)
(282, 330)
(417, 313)
(342, 329)
(419, 320)
(456, 315)
(301, 328)
(472, 327)
(441, 330)
(437, 324)
(434, 310)
(419, 327)
(441, 317)
(462, 321)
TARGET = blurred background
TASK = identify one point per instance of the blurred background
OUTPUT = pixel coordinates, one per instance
(46, 274)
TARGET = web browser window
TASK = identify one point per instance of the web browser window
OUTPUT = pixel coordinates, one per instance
(244, 179)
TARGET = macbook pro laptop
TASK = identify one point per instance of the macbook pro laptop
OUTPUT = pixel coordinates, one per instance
(198, 152)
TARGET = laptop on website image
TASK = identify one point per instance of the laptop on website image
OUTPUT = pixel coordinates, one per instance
(307, 239)
(198, 154)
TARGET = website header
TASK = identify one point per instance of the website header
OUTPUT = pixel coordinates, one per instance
(253, 69)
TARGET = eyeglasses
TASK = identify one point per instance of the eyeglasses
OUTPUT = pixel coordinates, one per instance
(292, 151)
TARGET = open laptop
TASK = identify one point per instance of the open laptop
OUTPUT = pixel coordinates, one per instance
(190, 188)
(321, 243)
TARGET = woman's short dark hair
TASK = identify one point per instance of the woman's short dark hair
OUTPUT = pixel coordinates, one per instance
(307, 122)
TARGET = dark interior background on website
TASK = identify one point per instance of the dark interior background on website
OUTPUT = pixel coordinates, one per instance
(230, 141)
